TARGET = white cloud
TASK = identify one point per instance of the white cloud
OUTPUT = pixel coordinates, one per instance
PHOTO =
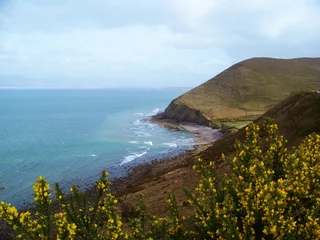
(150, 39)
(292, 21)
(194, 12)
(262, 17)
(96, 51)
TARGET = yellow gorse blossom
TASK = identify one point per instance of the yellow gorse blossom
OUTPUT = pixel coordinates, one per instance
(65, 229)
(267, 190)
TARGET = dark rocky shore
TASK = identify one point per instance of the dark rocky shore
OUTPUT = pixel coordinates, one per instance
(204, 134)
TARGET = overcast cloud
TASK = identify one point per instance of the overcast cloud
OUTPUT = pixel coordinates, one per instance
(143, 43)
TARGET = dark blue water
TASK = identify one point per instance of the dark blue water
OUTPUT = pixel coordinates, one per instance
(71, 135)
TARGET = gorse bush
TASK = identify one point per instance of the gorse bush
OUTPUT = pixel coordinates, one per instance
(77, 219)
(269, 193)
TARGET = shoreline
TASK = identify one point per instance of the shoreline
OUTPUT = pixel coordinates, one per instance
(144, 171)
(128, 173)
(130, 183)
(124, 174)
(134, 176)
(204, 134)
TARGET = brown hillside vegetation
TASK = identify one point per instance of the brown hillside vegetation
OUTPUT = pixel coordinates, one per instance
(246, 90)
(297, 116)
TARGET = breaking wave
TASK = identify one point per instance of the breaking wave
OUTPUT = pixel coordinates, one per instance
(132, 157)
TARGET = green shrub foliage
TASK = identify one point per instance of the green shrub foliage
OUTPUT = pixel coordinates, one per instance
(269, 193)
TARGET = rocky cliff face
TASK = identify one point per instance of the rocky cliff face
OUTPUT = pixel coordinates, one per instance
(181, 112)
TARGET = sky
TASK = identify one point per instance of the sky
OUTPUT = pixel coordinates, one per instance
(144, 43)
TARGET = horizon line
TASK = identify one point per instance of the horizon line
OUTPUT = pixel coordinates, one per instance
(90, 88)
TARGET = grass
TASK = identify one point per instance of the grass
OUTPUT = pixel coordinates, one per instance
(248, 88)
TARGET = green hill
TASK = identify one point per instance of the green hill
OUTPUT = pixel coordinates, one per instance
(297, 116)
(246, 90)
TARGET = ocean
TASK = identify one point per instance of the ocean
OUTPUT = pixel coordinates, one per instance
(69, 136)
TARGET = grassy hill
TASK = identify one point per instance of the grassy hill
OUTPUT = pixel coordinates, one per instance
(246, 90)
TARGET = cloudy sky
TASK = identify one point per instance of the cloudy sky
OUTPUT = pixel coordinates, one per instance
(144, 43)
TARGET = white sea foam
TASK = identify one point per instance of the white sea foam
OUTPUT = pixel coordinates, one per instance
(134, 142)
(148, 143)
(171, 144)
(154, 112)
(139, 114)
(137, 122)
(132, 157)
(144, 147)
(150, 125)
(142, 134)
(92, 155)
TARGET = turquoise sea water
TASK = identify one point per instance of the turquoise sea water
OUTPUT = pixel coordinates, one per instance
(69, 136)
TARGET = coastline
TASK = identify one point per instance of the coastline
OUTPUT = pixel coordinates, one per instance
(203, 134)
(152, 168)
(143, 176)
(131, 183)
(135, 176)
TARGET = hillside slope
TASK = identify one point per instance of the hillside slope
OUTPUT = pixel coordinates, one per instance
(297, 116)
(245, 90)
